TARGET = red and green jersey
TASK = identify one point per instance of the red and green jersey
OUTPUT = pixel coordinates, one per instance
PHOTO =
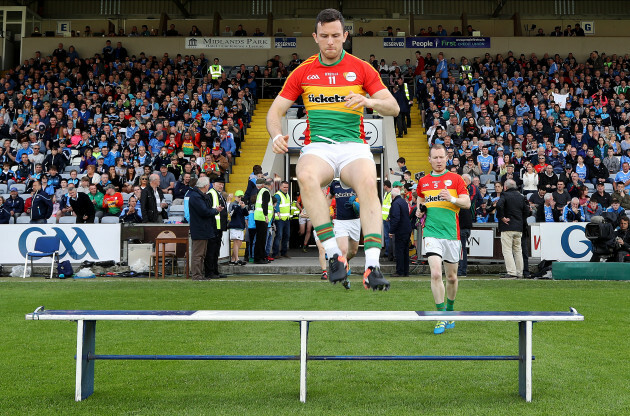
(442, 216)
(324, 88)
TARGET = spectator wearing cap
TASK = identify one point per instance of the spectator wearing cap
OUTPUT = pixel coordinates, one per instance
(112, 201)
(152, 201)
(217, 202)
(14, 203)
(219, 160)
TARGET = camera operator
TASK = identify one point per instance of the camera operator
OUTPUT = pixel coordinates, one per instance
(622, 240)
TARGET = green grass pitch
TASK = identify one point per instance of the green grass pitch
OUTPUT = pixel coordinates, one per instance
(581, 368)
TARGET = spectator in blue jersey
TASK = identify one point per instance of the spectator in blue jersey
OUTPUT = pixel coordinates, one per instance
(400, 231)
(485, 161)
(442, 68)
(624, 175)
(573, 212)
(546, 212)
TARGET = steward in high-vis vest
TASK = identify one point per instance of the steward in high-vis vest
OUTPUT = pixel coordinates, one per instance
(215, 70)
(263, 214)
(465, 70)
(387, 204)
(283, 221)
(211, 261)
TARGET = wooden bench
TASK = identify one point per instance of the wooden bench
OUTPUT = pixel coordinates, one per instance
(86, 340)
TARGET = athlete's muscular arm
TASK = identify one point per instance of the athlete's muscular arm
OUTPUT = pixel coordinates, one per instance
(382, 101)
(278, 109)
(463, 201)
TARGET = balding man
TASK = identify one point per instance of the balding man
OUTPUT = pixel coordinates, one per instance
(202, 227)
(152, 201)
(512, 211)
(81, 205)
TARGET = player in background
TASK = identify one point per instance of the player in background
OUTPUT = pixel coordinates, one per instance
(443, 193)
(347, 225)
(333, 85)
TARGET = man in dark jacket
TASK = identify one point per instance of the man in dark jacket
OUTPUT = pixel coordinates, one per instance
(400, 231)
(181, 187)
(512, 211)
(152, 201)
(403, 120)
(202, 226)
(217, 202)
(81, 205)
(41, 207)
(14, 204)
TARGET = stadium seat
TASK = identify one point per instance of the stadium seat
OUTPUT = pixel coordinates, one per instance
(531, 220)
(176, 210)
(71, 219)
(490, 177)
(20, 187)
(110, 220)
(45, 246)
(51, 220)
(126, 197)
(589, 185)
(65, 175)
(608, 187)
(23, 220)
(168, 198)
(3, 188)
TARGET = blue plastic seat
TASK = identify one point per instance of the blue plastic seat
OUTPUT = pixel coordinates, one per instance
(45, 246)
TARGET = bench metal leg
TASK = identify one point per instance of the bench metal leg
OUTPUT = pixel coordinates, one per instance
(525, 360)
(86, 331)
(303, 358)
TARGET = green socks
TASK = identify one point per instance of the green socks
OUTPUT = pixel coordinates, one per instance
(450, 304)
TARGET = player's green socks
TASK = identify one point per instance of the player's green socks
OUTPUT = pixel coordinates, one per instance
(327, 237)
(450, 305)
(440, 307)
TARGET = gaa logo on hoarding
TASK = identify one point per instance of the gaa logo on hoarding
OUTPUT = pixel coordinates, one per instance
(68, 245)
(571, 243)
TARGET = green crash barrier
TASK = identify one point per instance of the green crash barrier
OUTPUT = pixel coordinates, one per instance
(563, 270)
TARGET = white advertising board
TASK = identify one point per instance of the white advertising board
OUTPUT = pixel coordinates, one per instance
(563, 241)
(79, 242)
(373, 132)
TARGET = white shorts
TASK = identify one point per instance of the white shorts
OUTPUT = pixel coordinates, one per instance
(449, 250)
(315, 236)
(236, 234)
(304, 220)
(347, 228)
(338, 155)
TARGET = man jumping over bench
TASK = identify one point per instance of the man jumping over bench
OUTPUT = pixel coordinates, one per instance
(334, 84)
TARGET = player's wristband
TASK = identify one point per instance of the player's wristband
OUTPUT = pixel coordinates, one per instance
(453, 200)
(277, 137)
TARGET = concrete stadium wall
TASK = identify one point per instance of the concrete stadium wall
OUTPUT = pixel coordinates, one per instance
(489, 27)
(362, 47)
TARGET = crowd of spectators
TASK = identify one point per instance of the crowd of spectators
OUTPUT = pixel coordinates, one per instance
(112, 122)
(556, 126)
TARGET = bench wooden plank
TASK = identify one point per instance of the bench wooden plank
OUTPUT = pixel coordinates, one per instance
(310, 316)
